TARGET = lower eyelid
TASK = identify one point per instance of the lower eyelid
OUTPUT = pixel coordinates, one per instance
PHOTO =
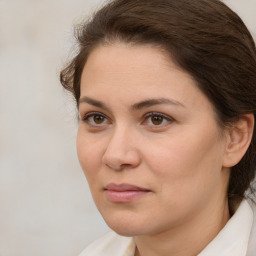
(166, 121)
(85, 118)
(93, 125)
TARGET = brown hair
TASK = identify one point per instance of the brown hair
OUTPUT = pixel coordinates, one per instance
(204, 37)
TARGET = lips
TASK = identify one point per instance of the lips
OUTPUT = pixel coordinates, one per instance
(121, 193)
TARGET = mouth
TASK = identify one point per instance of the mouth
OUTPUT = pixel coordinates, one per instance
(123, 193)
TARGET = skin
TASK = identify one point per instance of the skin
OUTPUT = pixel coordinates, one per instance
(179, 159)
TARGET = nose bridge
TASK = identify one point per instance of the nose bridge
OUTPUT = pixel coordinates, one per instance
(120, 134)
(121, 149)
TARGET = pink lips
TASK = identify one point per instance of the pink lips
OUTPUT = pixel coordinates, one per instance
(124, 192)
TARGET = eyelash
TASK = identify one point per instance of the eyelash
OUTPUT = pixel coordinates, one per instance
(165, 118)
(92, 114)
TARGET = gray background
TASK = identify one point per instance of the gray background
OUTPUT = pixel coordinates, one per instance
(45, 204)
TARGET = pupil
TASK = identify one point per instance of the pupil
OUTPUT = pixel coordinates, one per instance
(157, 120)
(98, 119)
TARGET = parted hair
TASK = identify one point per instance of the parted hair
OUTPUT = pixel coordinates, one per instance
(203, 37)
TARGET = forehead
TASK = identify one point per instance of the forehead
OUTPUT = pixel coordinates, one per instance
(142, 71)
(139, 61)
(138, 53)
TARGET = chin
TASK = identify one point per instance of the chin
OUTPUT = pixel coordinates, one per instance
(126, 226)
(126, 230)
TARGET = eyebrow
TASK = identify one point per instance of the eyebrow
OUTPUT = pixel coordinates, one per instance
(93, 102)
(152, 102)
(137, 106)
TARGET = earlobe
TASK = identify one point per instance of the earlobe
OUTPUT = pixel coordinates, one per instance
(239, 137)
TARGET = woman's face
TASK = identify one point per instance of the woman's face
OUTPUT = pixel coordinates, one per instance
(148, 141)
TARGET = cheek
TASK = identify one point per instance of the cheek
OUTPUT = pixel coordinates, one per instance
(187, 160)
(89, 154)
(187, 171)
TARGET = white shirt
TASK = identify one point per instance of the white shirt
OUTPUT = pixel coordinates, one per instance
(232, 240)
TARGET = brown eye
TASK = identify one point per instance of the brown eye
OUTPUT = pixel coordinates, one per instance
(97, 119)
(157, 120)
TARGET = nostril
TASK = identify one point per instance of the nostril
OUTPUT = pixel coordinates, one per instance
(126, 166)
(119, 167)
(113, 167)
(120, 161)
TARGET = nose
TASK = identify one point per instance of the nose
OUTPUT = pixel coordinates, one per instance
(121, 151)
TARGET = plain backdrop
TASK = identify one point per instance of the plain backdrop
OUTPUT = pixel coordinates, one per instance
(45, 204)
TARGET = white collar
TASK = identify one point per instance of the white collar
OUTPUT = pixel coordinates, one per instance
(234, 237)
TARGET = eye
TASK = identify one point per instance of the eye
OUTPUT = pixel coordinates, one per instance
(157, 119)
(95, 119)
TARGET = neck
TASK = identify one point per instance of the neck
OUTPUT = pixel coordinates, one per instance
(189, 238)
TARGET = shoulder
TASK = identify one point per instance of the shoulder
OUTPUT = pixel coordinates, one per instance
(109, 245)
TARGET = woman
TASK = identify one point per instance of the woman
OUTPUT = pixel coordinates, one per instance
(166, 93)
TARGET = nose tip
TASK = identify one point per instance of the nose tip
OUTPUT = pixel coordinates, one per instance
(121, 160)
(121, 153)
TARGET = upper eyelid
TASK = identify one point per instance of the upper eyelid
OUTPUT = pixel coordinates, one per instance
(91, 113)
(85, 119)
(159, 114)
(144, 116)
(168, 120)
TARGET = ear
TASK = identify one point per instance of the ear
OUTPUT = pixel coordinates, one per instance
(239, 137)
